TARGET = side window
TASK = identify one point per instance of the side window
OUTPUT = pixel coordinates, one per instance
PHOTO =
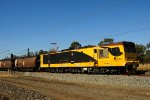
(49, 58)
(45, 59)
(95, 51)
(103, 53)
(72, 57)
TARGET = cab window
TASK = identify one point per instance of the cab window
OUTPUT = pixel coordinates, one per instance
(103, 53)
(115, 51)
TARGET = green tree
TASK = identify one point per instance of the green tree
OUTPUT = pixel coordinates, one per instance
(147, 56)
(140, 49)
(106, 41)
(148, 45)
(75, 45)
(147, 53)
(42, 52)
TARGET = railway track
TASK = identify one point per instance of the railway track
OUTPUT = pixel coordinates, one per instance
(139, 73)
(147, 74)
(142, 75)
(62, 86)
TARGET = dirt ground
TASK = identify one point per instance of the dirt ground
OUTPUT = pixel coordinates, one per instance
(61, 90)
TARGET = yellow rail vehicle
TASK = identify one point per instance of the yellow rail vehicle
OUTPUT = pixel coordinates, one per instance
(109, 58)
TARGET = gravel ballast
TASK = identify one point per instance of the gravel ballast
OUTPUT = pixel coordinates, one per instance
(19, 93)
(119, 80)
(53, 86)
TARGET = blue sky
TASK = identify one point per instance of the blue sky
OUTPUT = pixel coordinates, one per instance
(35, 24)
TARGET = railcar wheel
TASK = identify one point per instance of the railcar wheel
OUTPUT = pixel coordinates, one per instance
(134, 69)
(131, 69)
(128, 70)
(88, 70)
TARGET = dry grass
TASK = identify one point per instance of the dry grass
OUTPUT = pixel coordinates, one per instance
(144, 67)
(5, 75)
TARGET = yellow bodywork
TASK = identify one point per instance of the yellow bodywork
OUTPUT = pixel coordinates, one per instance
(106, 60)
(88, 51)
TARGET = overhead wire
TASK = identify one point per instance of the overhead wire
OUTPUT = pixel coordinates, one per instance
(90, 15)
(98, 10)
(118, 34)
(83, 17)
(102, 36)
(122, 26)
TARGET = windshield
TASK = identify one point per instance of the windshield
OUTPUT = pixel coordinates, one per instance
(115, 51)
(129, 47)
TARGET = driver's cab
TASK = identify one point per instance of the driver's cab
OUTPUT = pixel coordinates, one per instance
(111, 56)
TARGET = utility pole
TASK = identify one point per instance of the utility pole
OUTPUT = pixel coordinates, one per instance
(28, 52)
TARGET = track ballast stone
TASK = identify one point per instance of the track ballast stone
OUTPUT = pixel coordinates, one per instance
(58, 85)
(119, 80)
(19, 93)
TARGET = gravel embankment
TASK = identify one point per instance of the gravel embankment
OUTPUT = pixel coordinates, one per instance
(147, 73)
(119, 80)
(56, 85)
(19, 93)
